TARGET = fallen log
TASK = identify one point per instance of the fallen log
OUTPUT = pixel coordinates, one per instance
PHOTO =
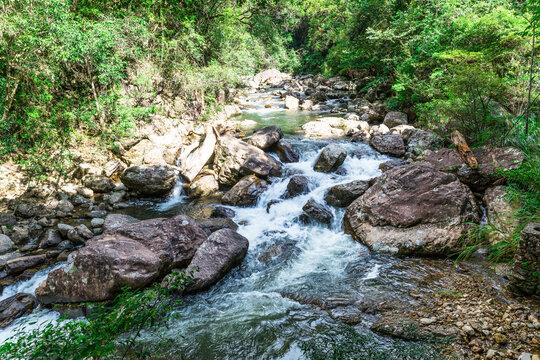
(464, 150)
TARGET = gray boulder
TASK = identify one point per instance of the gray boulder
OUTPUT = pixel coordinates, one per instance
(50, 238)
(149, 180)
(391, 144)
(235, 159)
(6, 245)
(285, 152)
(344, 194)
(330, 159)
(318, 212)
(99, 271)
(98, 183)
(265, 138)
(395, 118)
(297, 185)
(413, 209)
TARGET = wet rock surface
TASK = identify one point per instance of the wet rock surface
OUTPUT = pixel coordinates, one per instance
(15, 307)
(298, 185)
(246, 192)
(330, 159)
(343, 195)
(318, 212)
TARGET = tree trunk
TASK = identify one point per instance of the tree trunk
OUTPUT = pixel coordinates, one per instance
(528, 112)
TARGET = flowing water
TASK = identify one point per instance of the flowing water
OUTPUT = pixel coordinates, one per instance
(266, 307)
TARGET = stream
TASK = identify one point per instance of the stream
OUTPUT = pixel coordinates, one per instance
(268, 306)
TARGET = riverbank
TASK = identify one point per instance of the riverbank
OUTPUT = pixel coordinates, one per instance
(301, 270)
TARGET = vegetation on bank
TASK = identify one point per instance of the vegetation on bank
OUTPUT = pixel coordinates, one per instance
(111, 331)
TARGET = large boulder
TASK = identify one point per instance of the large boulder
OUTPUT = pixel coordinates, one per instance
(318, 212)
(297, 185)
(246, 192)
(391, 144)
(344, 194)
(285, 152)
(98, 183)
(413, 209)
(319, 129)
(500, 214)
(174, 240)
(330, 159)
(100, 270)
(14, 307)
(491, 162)
(266, 137)
(222, 251)
(271, 77)
(235, 159)
(149, 180)
(395, 118)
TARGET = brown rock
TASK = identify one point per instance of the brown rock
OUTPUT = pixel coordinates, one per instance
(100, 270)
(222, 251)
(246, 192)
(412, 209)
(14, 307)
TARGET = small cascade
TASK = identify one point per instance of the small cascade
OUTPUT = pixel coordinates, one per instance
(175, 198)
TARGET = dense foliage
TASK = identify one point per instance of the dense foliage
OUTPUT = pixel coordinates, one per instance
(73, 70)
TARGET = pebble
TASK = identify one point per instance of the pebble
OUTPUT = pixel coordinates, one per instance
(468, 329)
(97, 222)
(427, 321)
